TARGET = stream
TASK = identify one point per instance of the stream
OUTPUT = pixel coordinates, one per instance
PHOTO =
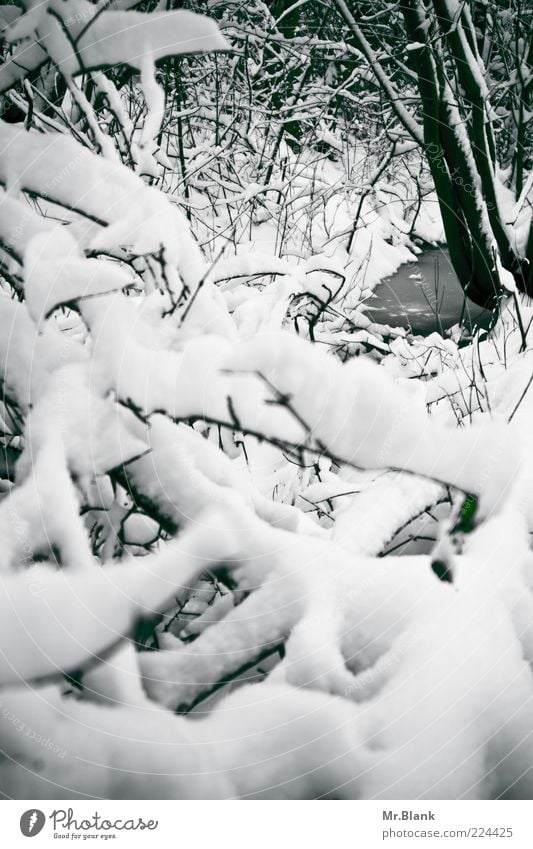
(425, 296)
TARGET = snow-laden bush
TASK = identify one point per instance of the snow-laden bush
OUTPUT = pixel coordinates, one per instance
(192, 493)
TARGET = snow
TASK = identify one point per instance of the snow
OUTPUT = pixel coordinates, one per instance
(363, 529)
(506, 278)
(44, 31)
(450, 689)
(375, 419)
(127, 211)
(19, 224)
(41, 639)
(29, 357)
(101, 42)
(56, 273)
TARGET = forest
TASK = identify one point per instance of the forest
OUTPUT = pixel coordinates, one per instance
(261, 535)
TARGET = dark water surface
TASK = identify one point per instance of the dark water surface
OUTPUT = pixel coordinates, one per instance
(424, 296)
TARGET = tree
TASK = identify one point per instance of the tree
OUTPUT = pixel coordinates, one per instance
(471, 66)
